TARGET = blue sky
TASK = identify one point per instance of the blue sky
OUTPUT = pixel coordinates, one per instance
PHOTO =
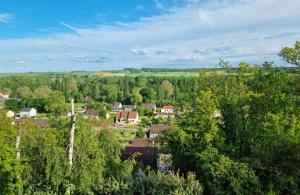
(65, 35)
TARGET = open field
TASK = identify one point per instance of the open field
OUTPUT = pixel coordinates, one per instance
(109, 74)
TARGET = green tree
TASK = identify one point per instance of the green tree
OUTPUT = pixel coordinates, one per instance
(167, 88)
(56, 103)
(10, 167)
(291, 54)
(24, 92)
(43, 91)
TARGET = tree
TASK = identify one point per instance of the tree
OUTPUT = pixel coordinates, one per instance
(148, 95)
(56, 103)
(43, 91)
(10, 167)
(222, 175)
(24, 92)
(167, 88)
(291, 54)
(138, 98)
(13, 104)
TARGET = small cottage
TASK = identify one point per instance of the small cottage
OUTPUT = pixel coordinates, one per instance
(28, 112)
(149, 106)
(168, 109)
(157, 130)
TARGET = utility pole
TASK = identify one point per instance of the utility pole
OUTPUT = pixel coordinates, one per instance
(72, 133)
(18, 140)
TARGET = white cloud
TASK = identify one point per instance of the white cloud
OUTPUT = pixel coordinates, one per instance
(6, 17)
(190, 36)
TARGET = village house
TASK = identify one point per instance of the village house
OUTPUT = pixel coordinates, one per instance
(149, 106)
(28, 112)
(2, 101)
(128, 107)
(3, 98)
(118, 107)
(127, 117)
(157, 130)
(149, 153)
(4, 95)
(168, 109)
(91, 113)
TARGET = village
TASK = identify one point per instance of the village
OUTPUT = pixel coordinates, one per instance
(139, 134)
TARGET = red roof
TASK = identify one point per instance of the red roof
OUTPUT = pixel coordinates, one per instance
(126, 115)
(168, 107)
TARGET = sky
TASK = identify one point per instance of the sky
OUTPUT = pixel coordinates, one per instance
(92, 35)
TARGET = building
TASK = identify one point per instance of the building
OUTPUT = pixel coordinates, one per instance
(157, 130)
(28, 112)
(3, 98)
(149, 153)
(168, 109)
(4, 95)
(127, 117)
(149, 106)
(91, 113)
(128, 107)
(118, 107)
(2, 101)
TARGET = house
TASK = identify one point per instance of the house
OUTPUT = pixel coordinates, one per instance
(157, 130)
(3, 98)
(168, 109)
(149, 153)
(28, 112)
(118, 107)
(128, 107)
(2, 101)
(127, 117)
(91, 113)
(4, 95)
(10, 114)
(149, 106)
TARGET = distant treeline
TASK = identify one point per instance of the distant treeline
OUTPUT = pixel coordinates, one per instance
(233, 69)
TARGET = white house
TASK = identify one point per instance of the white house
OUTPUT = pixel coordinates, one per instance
(168, 109)
(28, 112)
(118, 107)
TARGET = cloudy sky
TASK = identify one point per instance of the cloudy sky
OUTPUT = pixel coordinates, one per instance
(65, 35)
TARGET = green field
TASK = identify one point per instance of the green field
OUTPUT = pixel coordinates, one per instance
(108, 74)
